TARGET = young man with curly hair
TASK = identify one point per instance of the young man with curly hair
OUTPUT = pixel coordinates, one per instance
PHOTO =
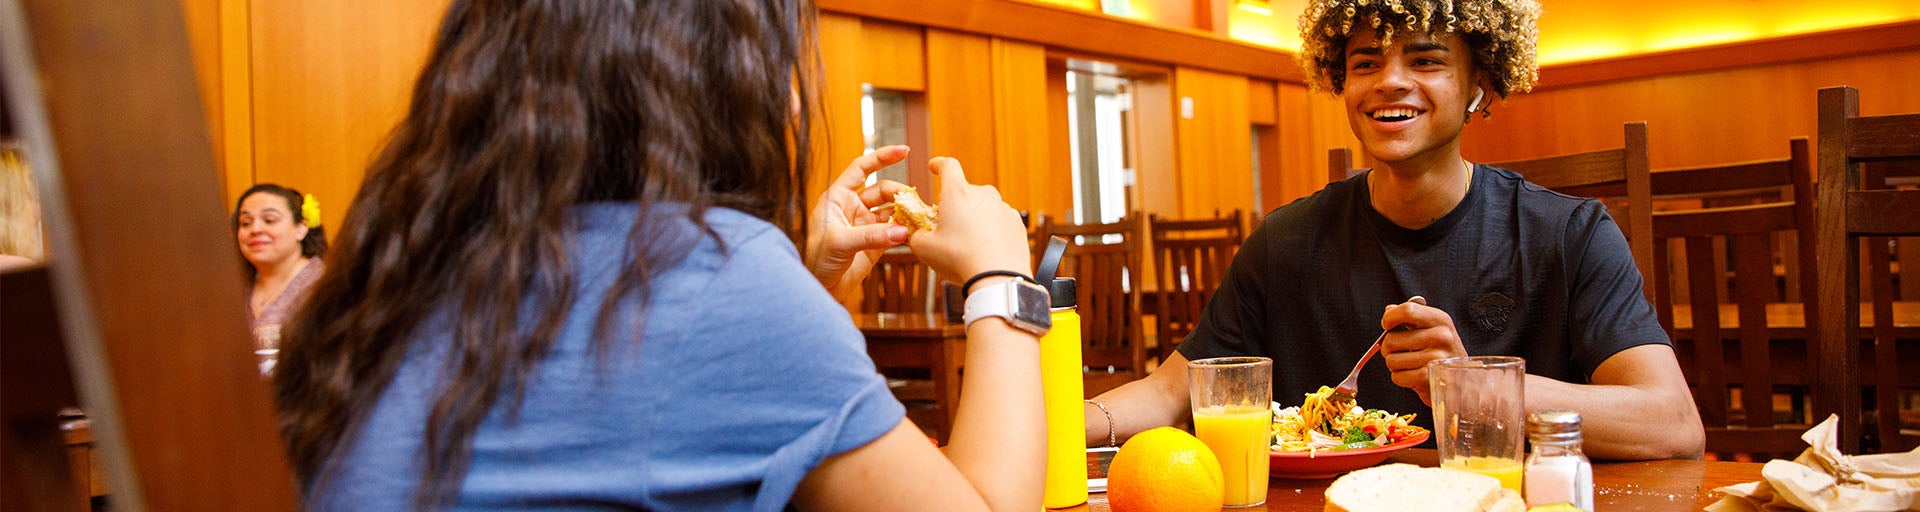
(1506, 267)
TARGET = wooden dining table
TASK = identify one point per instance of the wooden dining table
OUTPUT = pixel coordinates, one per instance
(919, 340)
(1641, 485)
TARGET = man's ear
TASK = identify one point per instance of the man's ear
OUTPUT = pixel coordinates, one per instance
(1478, 94)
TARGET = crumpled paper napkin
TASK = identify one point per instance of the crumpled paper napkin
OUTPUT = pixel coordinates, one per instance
(1822, 479)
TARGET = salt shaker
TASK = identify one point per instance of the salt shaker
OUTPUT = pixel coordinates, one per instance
(1557, 471)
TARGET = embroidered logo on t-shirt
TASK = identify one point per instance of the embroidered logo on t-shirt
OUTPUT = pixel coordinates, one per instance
(1493, 311)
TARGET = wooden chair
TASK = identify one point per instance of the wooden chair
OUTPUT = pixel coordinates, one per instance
(1340, 165)
(1609, 173)
(899, 283)
(151, 336)
(1763, 358)
(1849, 209)
(1106, 261)
(1190, 258)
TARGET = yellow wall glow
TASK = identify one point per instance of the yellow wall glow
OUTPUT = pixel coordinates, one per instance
(1579, 30)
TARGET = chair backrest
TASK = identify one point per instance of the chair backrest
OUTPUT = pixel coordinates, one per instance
(1749, 234)
(1340, 165)
(149, 303)
(1849, 210)
(1609, 173)
(1190, 258)
(899, 283)
(1106, 261)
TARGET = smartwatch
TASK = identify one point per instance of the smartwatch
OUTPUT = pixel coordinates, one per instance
(1024, 305)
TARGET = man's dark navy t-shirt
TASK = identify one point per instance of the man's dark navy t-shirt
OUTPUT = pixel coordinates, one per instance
(1523, 271)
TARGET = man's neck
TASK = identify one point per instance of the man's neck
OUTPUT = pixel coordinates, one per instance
(1415, 194)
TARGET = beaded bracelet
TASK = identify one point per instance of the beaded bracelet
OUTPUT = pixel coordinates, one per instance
(1111, 441)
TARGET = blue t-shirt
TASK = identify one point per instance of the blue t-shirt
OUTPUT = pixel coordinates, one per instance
(745, 376)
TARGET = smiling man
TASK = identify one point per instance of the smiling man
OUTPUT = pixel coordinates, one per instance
(1506, 267)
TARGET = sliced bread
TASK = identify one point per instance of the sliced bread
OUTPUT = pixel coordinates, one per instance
(1406, 487)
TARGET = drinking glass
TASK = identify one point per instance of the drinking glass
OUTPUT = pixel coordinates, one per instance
(1479, 415)
(1232, 413)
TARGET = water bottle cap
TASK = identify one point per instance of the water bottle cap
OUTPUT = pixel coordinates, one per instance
(1064, 292)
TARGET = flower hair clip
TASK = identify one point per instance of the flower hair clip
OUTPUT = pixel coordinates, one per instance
(310, 210)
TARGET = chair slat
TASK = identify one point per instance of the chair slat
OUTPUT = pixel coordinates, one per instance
(1893, 136)
(1738, 176)
(1711, 394)
(1753, 277)
(1883, 212)
(1732, 220)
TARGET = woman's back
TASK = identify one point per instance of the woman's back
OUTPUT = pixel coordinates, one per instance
(744, 376)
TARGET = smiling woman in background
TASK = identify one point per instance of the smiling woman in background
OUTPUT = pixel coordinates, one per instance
(281, 242)
(570, 281)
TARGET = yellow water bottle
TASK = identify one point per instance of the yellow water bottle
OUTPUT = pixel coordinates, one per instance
(1060, 379)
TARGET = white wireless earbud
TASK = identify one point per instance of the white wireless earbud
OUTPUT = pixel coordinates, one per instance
(1475, 104)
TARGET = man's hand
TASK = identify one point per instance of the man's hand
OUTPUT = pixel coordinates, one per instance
(1425, 334)
(844, 236)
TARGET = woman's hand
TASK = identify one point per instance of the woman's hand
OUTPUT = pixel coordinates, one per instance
(977, 231)
(844, 236)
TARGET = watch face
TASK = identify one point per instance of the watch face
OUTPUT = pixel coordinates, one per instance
(1035, 307)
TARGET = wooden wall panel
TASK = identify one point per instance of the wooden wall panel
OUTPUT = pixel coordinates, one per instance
(837, 138)
(1692, 119)
(1023, 128)
(959, 89)
(1214, 145)
(329, 81)
(1261, 109)
(203, 41)
(894, 56)
(1310, 124)
(1156, 187)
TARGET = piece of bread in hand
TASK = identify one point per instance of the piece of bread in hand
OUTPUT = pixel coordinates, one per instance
(910, 211)
(1405, 487)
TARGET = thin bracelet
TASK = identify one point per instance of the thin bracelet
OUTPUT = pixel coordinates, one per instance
(1111, 441)
(967, 289)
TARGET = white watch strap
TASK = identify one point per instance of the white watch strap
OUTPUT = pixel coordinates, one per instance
(991, 300)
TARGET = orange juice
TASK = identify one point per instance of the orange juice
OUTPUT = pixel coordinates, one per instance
(1238, 437)
(1507, 470)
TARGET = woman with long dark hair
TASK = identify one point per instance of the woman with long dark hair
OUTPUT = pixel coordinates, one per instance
(281, 243)
(570, 281)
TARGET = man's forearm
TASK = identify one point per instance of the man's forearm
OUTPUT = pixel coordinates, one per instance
(1158, 400)
(1625, 422)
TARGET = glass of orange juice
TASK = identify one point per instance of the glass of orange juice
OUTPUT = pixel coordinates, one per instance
(1479, 415)
(1233, 414)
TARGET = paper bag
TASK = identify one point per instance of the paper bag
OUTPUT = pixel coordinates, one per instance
(1822, 479)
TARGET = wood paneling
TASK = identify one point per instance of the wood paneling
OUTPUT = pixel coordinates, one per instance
(203, 40)
(960, 87)
(894, 56)
(1156, 171)
(1310, 124)
(1214, 145)
(235, 98)
(1262, 108)
(178, 409)
(329, 82)
(837, 138)
(1023, 128)
(1692, 119)
(1082, 31)
(1771, 51)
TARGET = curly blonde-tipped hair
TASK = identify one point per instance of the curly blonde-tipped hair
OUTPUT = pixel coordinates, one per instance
(1501, 33)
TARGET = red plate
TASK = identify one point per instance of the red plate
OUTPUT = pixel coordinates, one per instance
(1329, 464)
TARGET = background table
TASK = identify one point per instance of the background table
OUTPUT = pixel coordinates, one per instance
(919, 340)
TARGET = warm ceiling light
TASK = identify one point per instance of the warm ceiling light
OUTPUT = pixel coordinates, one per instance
(1256, 6)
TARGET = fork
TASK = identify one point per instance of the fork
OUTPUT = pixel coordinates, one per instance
(1350, 387)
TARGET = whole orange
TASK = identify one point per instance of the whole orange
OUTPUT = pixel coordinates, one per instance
(1164, 470)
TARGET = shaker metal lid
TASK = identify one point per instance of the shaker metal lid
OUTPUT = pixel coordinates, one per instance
(1553, 421)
